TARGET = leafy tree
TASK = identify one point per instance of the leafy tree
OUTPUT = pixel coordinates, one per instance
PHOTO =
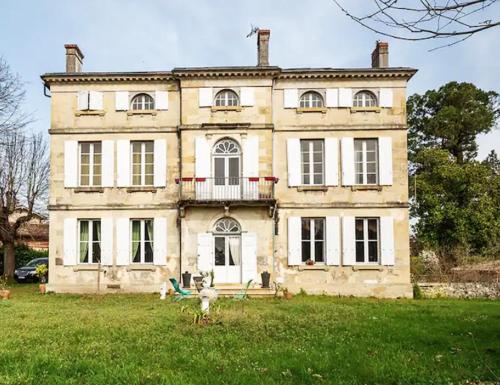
(493, 162)
(451, 118)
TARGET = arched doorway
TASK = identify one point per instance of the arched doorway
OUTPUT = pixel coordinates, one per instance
(226, 169)
(227, 251)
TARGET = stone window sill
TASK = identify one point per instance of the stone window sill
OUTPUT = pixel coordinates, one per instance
(141, 112)
(317, 267)
(89, 267)
(90, 113)
(141, 189)
(88, 190)
(312, 188)
(365, 109)
(311, 109)
(141, 267)
(367, 267)
(235, 108)
(367, 187)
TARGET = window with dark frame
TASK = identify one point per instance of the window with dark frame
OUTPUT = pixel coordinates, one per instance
(90, 164)
(312, 161)
(313, 240)
(142, 239)
(367, 240)
(89, 240)
(142, 163)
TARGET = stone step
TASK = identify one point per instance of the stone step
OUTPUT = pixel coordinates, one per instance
(231, 290)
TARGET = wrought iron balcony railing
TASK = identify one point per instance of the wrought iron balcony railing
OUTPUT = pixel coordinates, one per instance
(227, 189)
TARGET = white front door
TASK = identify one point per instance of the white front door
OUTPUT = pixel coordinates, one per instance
(227, 259)
(226, 177)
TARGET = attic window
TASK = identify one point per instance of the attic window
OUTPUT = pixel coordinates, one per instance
(364, 99)
(226, 98)
(143, 102)
(311, 99)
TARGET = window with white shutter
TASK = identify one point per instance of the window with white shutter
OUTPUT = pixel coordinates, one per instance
(290, 98)
(293, 162)
(70, 241)
(95, 101)
(205, 96)
(142, 240)
(387, 250)
(248, 257)
(347, 154)
(90, 163)
(312, 161)
(160, 162)
(385, 160)
(121, 100)
(108, 163)
(345, 97)
(89, 241)
(205, 252)
(161, 100)
(348, 241)
(331, 162)
(366, 161)
(160, 241)
(333, 241)
(123, 241)
(70, 163)
(123, 162)
(386, 97)
(294, 241)
(107, 241)
(367, 240)
(247, 96)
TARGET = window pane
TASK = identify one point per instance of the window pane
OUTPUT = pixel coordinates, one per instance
(136, 147)
(371, 178)
(319, 251)
(148, 252)
(359, 229)
(136, 252)
(319, 226)
(306, 250)
(136, 231)
(149, 158)
(84, 180)
(372, 229)
(220, 250)
(148, 180)
(96, 252)
(306, 228)
(371, 168)
(371, 156)
(85, 148)
(371, 145)
(136, 180)
(234, 169)
(148, 169)
(317, 145)
(306, 179)
(219, 171)
(373, 251)
(360, 252)
(318, 179)
(84, 252)
(149, 146)
(358, 146)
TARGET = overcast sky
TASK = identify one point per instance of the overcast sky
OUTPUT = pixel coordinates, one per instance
(135, 35)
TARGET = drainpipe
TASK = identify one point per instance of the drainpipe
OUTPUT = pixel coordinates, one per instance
(179, 165)
(273, 229)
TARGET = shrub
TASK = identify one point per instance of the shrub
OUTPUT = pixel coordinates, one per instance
(24, 254)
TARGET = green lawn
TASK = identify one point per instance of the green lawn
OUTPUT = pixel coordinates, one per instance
(138, 339)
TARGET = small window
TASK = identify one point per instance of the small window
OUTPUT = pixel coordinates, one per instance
(142, 240)
(143, 102)
(312, 161)
(366, 161)
(364, 99)
(367, 240)
(313, 240)
(226, 98)
(89, 240)
(90, 163)
(142, 163)
(311, 99)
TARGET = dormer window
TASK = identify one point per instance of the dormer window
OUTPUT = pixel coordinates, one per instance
(226, 98)
(364, 99)
(311, 99)
(143, 102)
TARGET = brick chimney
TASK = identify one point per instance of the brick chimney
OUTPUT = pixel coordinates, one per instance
(380, 55)
(74, 58)
(263, 47)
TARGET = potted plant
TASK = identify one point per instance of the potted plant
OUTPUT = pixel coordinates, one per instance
(4, 292)
(186, 280)
(41, 272)
(287, 294)
(309, 262)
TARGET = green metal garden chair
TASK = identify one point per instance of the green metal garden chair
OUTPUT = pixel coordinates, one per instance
(181, 292)
(243, 293)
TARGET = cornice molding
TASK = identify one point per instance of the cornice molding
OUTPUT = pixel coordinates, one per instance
(92, 77)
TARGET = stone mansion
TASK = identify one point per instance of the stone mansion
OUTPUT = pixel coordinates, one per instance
(299, 172)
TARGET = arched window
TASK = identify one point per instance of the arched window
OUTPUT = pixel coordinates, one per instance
(311, 99)
(226, 98)
(364, 99)
(227, 226)
(226, 146)
(143, 102)
(226, 168)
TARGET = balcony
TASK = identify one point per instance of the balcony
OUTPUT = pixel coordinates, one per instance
(227, 191)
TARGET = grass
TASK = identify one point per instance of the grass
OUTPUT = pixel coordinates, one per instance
(138, 340)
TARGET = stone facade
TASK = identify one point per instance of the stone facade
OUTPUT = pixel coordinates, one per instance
(260, 111)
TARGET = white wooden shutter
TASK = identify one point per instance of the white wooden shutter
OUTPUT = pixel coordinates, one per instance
(248, 257)
(108, 163)
(160, 241)
(345, 97)
(70, 163)
(107, 241)
(247, 96)
(290, 98)
(95, 100)
(293, 157)
(205, 251)
(161, 100)
(387, 241)
(385, 160)
(385, 97)
(123, 162)
(250, 166)
(331, 162)
(332, 97)
(294, 241)
(333, 241)
(205, 96)
(347, 161)
(121, 100)
(83, 100)
(160, 163)
(70, 231)
(123, 241)
(348, 241)
(202, 167)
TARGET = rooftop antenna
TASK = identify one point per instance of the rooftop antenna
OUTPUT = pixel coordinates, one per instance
(253, 31)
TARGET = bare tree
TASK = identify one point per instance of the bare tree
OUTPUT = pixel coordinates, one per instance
(453, 20)
(24, 178)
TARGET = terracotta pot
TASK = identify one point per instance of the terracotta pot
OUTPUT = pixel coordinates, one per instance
(5, 294)
(287, 295)
(43, 288)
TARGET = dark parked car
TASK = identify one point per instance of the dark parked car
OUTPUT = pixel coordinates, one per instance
(28, 273)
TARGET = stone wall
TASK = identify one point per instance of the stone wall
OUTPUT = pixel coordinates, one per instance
(461, 290)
